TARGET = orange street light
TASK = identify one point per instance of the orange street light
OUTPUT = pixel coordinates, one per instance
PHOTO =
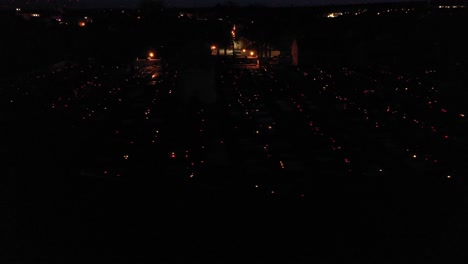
(251, 53)
(151, 54)
(213, 47)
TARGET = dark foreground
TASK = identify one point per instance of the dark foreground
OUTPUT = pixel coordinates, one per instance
(283, 165)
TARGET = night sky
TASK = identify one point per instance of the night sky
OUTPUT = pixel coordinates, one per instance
(182, 3)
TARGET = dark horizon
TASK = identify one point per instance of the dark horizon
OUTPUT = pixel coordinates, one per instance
(90, 4)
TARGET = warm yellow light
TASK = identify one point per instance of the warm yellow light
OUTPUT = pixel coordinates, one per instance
(151, 54)
(82, 24)
(213, 47)
(251, 53)
(243, 50)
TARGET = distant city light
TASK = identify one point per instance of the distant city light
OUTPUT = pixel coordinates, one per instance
(333, 15)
